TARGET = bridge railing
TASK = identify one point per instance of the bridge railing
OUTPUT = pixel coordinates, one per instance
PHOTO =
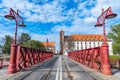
(26, 57)
(96, 58)
(89, 57)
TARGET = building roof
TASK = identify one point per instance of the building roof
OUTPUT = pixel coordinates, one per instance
(49, 44)
(85, 37)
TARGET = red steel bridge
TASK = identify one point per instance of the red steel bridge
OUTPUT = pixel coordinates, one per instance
(86, 64)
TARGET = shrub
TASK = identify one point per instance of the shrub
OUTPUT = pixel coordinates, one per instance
(113, 59)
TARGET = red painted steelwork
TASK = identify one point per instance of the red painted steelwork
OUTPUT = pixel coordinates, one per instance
(25, 57)
(12, 63)
(106, 14)
(14, 15)
(1, 63)
(92, 57)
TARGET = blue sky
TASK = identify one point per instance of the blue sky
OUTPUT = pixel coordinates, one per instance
(45, 18)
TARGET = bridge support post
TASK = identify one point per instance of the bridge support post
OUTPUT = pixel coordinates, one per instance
(12, 64)
(106, 69)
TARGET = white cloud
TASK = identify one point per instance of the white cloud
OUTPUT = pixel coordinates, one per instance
(86, 24)
(3, 33)
(84, 13)
(27, 14)
(52, 11)
(105, 4)
(36, 18)
(89, 20)
(83, 21)
(3, 12)
(77, 21)
(57, 29)
(81, 6)
(91, 2)
(1, 6)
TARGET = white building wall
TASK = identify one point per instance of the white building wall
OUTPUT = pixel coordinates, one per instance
(88, 44)
(92, 44)
(80, 45)
(83, 45)
(77, 46)
(65, 48)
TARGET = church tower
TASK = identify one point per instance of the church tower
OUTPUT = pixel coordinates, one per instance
(61, 42)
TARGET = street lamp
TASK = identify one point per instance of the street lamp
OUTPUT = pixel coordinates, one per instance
(13, 54)
(12, 15)
(107, 14)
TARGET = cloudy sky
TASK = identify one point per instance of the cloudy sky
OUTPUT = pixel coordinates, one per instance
(45, 18)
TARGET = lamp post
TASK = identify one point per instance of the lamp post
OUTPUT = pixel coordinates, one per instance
(18, 19)
(106, 14)
(19, 22)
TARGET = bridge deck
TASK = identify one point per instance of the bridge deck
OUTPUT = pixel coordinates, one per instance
(58, 68)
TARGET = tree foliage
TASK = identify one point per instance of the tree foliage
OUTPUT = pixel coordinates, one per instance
(114, 34)
(8, 40)
(34, 44)
(24, 38)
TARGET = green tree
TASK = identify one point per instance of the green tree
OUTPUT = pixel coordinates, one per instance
(24, 38)
(114, 34)
(8, 40)
(34, 44)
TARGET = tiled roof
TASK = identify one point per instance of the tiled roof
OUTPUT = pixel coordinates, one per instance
(87, 37)
(49, 44)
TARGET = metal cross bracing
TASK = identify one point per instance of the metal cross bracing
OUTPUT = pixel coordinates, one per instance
(89, 57)
(28, 56)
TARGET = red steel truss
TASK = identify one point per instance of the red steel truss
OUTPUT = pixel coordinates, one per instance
(92, 57)
(27, 57)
